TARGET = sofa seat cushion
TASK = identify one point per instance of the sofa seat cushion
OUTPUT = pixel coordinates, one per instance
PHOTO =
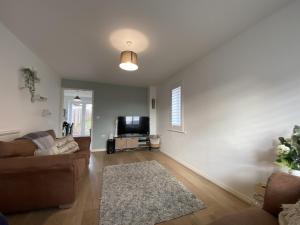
(251, 216)
(17, 148)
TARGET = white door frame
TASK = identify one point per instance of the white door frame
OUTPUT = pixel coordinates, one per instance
(62, 107)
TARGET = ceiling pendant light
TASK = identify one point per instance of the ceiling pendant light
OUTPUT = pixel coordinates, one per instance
(128, 60)
(77, 99)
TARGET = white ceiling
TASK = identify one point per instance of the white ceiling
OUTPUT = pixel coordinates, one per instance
(81, 93)
(74, 36)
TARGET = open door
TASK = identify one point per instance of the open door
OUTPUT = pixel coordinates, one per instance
(78, 111)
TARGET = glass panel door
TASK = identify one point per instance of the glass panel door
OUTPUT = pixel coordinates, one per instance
(76, 112)
(81, 119)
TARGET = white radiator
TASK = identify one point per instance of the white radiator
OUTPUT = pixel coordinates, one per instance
(9, 135)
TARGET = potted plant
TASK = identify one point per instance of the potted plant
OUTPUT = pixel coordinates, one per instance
(288, 152)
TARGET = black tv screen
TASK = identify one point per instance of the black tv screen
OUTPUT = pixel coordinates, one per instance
(133, 125)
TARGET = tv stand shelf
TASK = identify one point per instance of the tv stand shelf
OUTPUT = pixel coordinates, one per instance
(131, 142)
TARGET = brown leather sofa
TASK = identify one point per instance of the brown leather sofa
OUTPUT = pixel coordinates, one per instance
(281, 189)
(29, 182)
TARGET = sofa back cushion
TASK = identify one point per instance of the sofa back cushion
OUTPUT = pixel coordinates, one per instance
(20, 147)
(17, 148)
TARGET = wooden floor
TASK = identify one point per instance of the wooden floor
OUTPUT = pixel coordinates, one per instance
(85, 210)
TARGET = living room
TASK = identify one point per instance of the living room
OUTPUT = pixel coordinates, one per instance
(211, 89)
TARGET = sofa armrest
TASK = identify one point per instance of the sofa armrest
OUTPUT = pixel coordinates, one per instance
(83, 142)
(84, 148)
(281, 189)
(28, 183)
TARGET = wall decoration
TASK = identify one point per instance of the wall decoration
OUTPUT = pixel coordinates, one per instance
(46, 113)
(30, 80)
(153, 103)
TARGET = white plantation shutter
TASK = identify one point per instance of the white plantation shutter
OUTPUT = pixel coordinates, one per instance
(176, 107)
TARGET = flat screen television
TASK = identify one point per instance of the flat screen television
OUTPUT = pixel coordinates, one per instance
(133, 125)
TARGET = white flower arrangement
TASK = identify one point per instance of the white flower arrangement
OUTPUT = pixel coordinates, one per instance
(283, 150)
(288, 151)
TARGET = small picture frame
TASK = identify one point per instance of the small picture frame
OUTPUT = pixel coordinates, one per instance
(153, 102)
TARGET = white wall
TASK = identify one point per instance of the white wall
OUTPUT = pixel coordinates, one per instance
(237, 101)
(17, 112)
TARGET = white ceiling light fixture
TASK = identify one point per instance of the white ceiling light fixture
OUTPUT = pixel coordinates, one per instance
(77, 99)
(128, 60)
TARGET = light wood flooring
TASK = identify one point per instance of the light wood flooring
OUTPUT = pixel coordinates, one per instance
(85, 211)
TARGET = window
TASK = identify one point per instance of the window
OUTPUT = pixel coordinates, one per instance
(132, 120)
(176, 109)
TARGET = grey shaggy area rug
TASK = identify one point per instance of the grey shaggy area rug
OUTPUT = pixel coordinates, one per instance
(143, 193)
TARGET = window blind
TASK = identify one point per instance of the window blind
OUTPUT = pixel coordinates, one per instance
(176, 109)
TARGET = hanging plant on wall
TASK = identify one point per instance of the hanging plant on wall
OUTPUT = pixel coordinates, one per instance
(30, 80)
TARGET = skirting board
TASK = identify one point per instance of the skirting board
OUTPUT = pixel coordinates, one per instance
(239, 195)
(98, 150)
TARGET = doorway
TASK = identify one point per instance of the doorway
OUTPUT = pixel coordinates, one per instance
(78, 112)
